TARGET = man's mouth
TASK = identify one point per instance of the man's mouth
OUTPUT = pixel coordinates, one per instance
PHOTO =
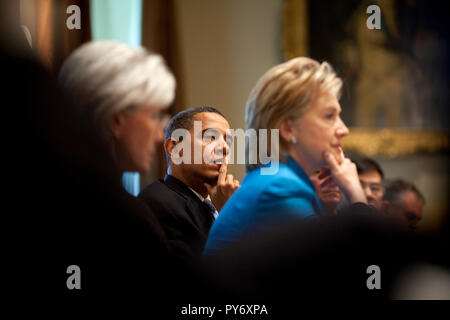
(215, 162)
(371, 203)
(336, 189)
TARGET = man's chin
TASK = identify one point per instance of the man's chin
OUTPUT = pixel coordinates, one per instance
(212, 181)
(211, 173)
(373, 206)
(333, 199)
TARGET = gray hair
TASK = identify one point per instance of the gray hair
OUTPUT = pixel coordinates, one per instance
(106, 77)
(394, 190)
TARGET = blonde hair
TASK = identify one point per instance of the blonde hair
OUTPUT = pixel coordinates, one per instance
(286, 91)
(106, 77)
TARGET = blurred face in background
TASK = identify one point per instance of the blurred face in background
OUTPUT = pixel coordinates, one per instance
(371, 183)
(136, 134)
(408, 210)
(327, 191)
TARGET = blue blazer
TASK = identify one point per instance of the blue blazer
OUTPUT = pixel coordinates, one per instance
(263, 201)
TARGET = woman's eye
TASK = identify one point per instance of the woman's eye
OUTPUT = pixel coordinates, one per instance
(329, 116)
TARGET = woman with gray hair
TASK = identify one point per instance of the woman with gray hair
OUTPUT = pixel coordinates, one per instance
(118, 94)
(298, 101)
(121, 91)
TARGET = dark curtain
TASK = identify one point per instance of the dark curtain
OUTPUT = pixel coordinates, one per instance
(52, 40)
(159, 34)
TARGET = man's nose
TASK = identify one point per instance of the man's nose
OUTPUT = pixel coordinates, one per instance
(368, 192)
(222, 147)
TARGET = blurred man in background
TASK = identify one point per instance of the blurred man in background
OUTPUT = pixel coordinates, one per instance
(328, 192)
(371, 177)
(402, 200)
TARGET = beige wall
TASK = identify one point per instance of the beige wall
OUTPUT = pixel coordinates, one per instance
(225, 47)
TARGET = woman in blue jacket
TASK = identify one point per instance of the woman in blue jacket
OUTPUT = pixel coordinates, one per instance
(299, 99)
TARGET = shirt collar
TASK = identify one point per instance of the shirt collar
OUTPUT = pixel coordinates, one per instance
(216, 213)
(199, 195)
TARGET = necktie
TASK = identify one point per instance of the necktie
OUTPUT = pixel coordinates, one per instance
(209, 205)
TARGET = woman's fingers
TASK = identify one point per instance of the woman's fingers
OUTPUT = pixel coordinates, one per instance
(332, 162)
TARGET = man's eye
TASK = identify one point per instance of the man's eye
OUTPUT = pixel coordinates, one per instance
(375, 188)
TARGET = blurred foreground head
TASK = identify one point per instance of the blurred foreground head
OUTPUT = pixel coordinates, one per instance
(120, 91)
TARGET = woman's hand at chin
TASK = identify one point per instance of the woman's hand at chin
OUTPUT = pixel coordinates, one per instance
(345, 175)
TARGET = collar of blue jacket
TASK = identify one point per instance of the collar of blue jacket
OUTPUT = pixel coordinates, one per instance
(299, 171)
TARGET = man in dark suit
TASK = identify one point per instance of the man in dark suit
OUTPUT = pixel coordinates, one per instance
(197, 185)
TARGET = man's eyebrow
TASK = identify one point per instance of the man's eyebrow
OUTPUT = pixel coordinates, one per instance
(216, 131)
(211, 129)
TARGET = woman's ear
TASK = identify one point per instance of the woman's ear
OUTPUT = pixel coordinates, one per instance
(116, 124)
(287, 129)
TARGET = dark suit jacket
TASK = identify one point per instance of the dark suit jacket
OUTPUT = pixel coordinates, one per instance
(181, 213)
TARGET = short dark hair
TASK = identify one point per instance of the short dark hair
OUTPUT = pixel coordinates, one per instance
(185, 120)
(394, 189)
(364, 165)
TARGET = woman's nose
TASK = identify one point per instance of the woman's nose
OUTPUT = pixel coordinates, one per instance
(342, 129)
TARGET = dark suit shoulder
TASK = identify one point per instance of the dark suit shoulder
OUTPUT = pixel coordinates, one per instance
(157, 185)
(158, 196)
(181, 213)
(167, 204)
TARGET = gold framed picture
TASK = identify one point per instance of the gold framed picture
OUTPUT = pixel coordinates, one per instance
(394, 99)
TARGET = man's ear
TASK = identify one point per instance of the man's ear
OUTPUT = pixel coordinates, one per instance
(286, 129)
(169, 144)
(116, 124)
